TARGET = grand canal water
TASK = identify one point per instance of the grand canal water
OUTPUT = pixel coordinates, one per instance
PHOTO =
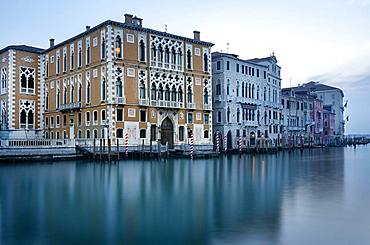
(318, 197)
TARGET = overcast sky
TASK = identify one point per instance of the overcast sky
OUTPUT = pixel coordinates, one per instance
(328, 41)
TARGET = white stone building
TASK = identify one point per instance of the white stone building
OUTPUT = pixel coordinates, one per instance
(246, 100)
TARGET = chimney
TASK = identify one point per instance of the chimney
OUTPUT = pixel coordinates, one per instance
(51, 40)
(196, 35)
(137, 21)
(128, 19)
(87, 28)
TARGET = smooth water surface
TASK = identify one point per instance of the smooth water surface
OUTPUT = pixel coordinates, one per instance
(318, 197)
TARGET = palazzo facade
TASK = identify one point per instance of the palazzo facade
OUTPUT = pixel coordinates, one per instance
(113, 79)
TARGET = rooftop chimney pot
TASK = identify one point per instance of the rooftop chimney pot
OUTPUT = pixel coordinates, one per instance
(196, 35)
(87, 28)
(51, 40)
(128, 19)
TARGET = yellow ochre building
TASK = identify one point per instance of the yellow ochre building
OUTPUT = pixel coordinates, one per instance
(112, 79)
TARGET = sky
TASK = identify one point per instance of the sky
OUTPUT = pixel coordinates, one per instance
(326, 41)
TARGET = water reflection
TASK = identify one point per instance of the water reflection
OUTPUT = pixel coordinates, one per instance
(233, 199)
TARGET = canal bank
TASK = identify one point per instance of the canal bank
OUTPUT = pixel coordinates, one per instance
(108, 151)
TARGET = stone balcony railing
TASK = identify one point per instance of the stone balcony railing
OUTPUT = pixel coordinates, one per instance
(207, 107)
(120, 100)
(190, 105)
(144, 102)
(71, 106)
(167, 104)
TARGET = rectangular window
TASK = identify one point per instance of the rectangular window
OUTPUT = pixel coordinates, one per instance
(197, 51)
(198, 116)
(64, 120)
(218, 65)
(227, 65)
(57, 121)
(142, 116)
(181, 133)
(264, 74)
(51, 122)
(95, 42)
(130, 38)
(142, 133)
(102, 45)
(258, 73)
(237, 67)
(190, 117)
(206, 118)
(119, 115)
(242, 69)
(218, 89)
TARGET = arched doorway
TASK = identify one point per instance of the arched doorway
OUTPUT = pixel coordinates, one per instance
(252, 139)
(229, 141)
(167, 132)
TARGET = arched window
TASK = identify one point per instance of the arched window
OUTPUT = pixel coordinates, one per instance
(23, 118)
(154, 53)
(205, 96)
(228, 114)
(269, 94)
(64, 62)
(258, 92)
(180, 95)
(219, 116)
(88, 134)
(237, 89)
(264, 93)
(173, 59)
(242, 89)
(173, 93)
(160, 55)
(160, 92)
(190, 95)
(153, 93)
(167, 93)
(88, 53)
(72, 59)
(206, 134)
(64, 95)
(252, 91)
(30, 119)
(79, 92)
(167, 55)
(47, 101)
(180, 59)
(88, 91)
(142, 90)
(246, 90)
(142, 51)
(265, 118)
(72, 92)
(79, 56)
(238, 115)
(58, 98)
(118, 49)
(119, 88)
(188, 58)
(103, 48)
(205, 62)
(103, 89)
(258, 116)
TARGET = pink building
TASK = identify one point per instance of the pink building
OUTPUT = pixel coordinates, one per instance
(329, 125)
(318, 122)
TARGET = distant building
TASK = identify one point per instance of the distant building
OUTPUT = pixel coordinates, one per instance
(331, 96)
(329, 125)
(246, 100)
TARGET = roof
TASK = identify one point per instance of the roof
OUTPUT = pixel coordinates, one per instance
(24, 48)
(132, 27)
(235, 57)
(316, 87)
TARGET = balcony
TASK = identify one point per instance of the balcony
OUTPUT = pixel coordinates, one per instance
(207, 107)
(166, 104)
(144, 102)
(120, 100)
(190, 105)
(70, 106)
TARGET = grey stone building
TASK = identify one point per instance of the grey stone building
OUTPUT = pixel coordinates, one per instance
(246, 100)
